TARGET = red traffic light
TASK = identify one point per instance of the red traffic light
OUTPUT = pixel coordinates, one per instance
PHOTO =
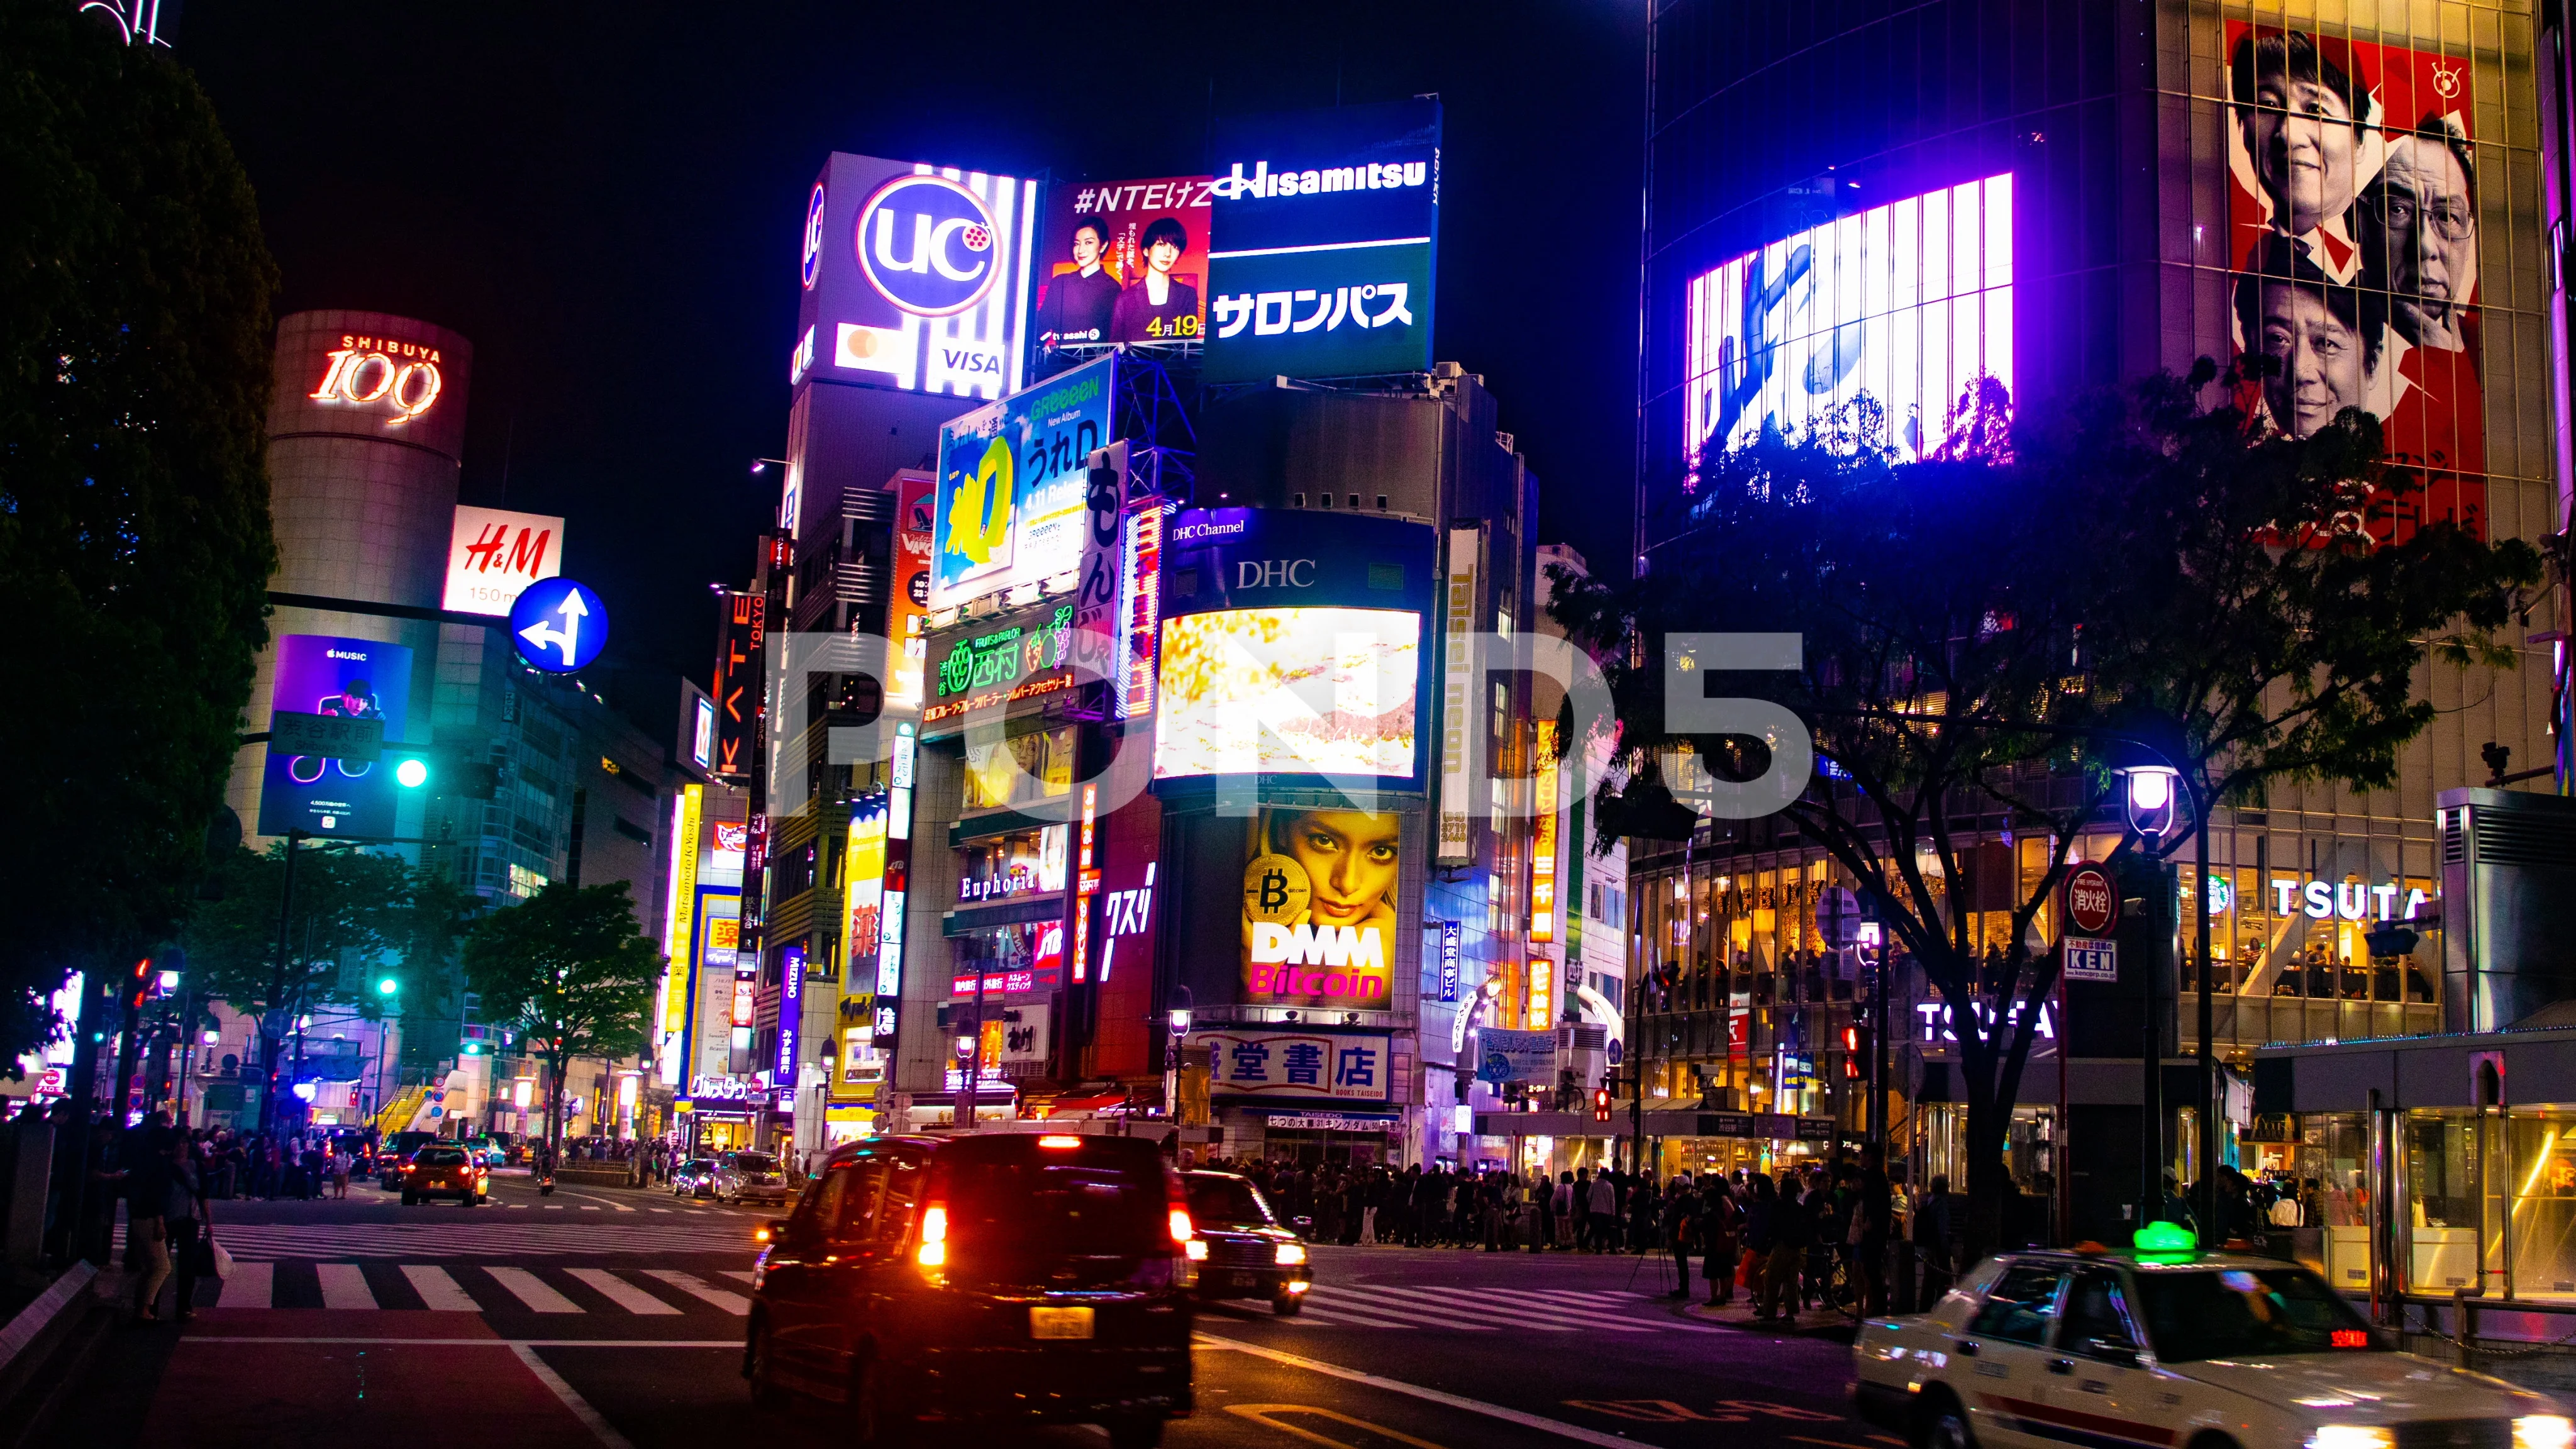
(1601, 1104)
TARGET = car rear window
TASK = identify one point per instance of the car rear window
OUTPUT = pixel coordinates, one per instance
(2206, 1313)
(1216, 1201)
(1085, 1201)
(754, 1162)
(698, 1164)
(436, 1156)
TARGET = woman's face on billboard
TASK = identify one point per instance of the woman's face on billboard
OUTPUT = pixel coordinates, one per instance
(2302, 139)
(1350, 858)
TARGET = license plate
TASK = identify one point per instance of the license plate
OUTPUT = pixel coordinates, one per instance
(1059, 1323)
(1242, 1280)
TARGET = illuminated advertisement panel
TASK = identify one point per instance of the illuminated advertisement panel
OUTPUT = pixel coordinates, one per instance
(1904, 304)
(1543, 836)
(914, 276)
(2353, 232)
(1124, 262)
(1140, 609)
(686, 810)
(1325, 228)
(1291, 645)
(492, 555)
(1346, 1066)
(1321, 899)
(1311, 691)
(346, 678)
(908, 607)
(1013, 477)
(737, 682)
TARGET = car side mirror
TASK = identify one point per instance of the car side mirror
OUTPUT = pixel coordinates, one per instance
(1305, 1227)
(2112, 1351)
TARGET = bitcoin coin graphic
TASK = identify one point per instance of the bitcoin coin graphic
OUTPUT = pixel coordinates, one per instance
(1275, 889)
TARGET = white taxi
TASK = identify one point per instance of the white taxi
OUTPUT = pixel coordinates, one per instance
(2172, 1350)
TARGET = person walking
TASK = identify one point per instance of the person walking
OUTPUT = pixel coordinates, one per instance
(148, 1186)
(183, 1215)
(1602, 1213)
(1792, 1229)
(1760, 1235)
(341, 1162)
(1680, 1230)
(1719, 1222)
(1873, 1224)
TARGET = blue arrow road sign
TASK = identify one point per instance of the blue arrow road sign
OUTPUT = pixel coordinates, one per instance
(559, 625)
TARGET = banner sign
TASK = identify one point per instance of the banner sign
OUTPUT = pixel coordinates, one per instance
(1515, 1056)
(1343, 1066)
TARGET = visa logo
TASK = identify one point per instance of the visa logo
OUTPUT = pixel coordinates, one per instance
(968, 360)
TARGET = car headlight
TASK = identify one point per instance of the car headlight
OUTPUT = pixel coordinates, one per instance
(1195, 1250)
(2544, 1431)
(1291, 1254)
(2352, 1436)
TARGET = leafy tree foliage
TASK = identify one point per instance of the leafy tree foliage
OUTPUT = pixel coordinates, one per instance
(1982, 630)
(572, 972)
(134, 533)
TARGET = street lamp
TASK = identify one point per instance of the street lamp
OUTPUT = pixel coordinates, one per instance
(1178, 1018)
(2151, 798)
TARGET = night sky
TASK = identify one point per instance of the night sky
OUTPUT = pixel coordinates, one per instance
(606, 199)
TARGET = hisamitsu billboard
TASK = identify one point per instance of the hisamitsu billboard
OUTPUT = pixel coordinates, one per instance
(1325, 225)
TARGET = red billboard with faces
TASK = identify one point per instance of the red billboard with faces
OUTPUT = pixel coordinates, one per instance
(1124, 261)
(2353, 247)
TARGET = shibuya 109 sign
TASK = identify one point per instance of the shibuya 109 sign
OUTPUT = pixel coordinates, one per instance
(401, 378)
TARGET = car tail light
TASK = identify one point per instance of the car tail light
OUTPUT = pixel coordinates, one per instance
(1181, 1230)
(934, 1236)
(1059, 1141)
(1196, 1250)
(411, 1167)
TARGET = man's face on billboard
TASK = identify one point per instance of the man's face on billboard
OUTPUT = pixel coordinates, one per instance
(2321, 359)
(1086, 247)
(2421, 202)
(1350, 859)
(2301, 137)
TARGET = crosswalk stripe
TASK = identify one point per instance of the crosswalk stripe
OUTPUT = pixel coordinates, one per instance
(1576, 1311)
(690, 1284)
(1469, 1302)
(745, 1275)
(252, 1285)
(344, 1286)
(1377, 1313)
(531, 1290)
(438, 1292)
(620, 1292)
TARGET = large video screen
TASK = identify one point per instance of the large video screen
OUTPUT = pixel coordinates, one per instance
(1905, 304)
(1289, 691)
(1013, 476)
(347, 678)
(2353, 232)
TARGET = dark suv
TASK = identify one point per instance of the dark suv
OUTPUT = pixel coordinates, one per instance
(1250, 1253)
(1039, 1278)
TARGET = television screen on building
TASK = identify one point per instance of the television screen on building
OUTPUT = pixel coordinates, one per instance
(343, 678)
(1289, 691)
(1903, 305)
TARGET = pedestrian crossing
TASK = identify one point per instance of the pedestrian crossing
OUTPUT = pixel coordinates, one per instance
(480, 1237)
(1480, 1309)
(462, 1288)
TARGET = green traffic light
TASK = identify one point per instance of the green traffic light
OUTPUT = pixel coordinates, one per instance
(388, 986)
(412, 773)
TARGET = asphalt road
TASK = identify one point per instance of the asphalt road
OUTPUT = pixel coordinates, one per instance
(609, 1318)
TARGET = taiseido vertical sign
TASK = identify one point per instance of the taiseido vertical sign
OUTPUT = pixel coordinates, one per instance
(492, 555)
(1457, 688)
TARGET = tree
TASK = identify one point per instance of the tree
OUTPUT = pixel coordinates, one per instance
(134, 535)
(351, 908)
(572, 972)
(1984, 635)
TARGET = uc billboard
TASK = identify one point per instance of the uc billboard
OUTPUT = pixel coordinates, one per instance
(915, 277)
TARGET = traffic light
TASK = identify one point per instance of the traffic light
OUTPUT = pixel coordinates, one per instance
(1856, 1045)
(412, 773)
(1601, 1100)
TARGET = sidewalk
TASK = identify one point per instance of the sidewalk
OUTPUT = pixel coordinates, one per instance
(1822, 1323)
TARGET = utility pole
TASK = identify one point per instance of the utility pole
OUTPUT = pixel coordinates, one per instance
(273, 1043)
(2212, 1222)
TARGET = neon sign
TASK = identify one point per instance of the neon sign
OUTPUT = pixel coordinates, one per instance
(364, 371)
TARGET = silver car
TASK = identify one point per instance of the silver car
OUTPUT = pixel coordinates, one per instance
(749, 1177)
(696, 1178)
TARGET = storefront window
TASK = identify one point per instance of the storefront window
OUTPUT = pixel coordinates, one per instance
(1021, 770)
(2541, 1148)
(2448, 1216)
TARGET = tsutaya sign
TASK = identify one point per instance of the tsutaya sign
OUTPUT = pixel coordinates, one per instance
(2350, 900)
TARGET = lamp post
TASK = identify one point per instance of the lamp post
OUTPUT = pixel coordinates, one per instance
(1178, 1019)
(2150, 801)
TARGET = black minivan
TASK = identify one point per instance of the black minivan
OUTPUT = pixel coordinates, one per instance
(1041, 1278)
